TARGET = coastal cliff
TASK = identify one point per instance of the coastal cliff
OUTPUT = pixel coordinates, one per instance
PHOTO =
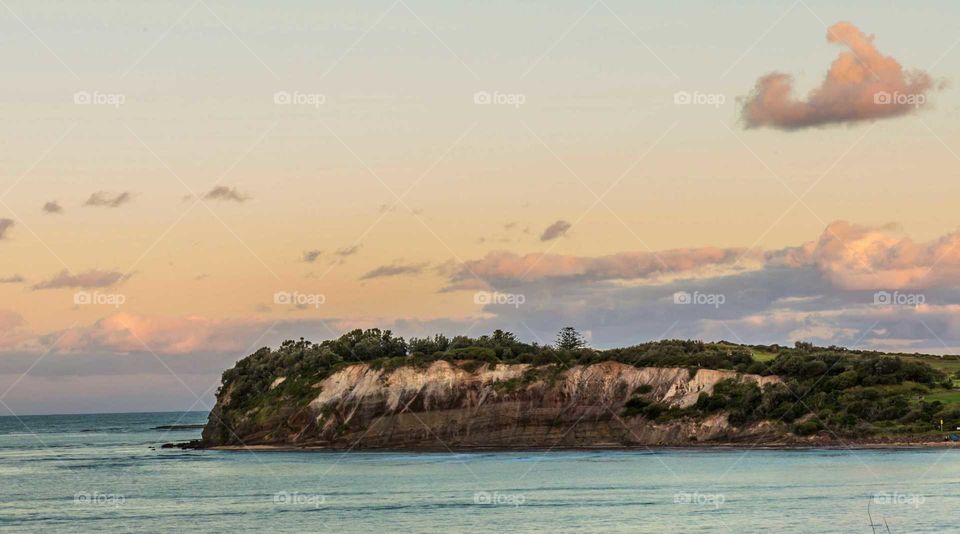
(369, 390)
(498, 406)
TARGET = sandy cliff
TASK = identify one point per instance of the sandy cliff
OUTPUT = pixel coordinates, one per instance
(445, 406)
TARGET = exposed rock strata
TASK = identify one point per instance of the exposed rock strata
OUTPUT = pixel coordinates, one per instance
(493, 406)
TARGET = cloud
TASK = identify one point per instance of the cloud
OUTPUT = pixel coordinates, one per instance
(227, 194)
(87, 279)
(341, 254)
(862, 257)
(862, 84)
(14, 279)
(348, 251)
(107, 200)
(555, 230)
(124, 332)
(507, 267)
(5, 226)
(52, 207)
(848, 256)
(311, 256)
(395, 269)
(835, 289)
(11, 334)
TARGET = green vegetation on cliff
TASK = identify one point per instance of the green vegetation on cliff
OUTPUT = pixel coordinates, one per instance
(843, 392)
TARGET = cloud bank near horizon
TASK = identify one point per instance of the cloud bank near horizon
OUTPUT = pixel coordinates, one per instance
(829, 290)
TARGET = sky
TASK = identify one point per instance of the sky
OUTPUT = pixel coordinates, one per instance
(184, 182)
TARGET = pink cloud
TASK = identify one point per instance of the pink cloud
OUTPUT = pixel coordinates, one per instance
(124, 332)
(849, 256)
(861, 257)
(862, 84)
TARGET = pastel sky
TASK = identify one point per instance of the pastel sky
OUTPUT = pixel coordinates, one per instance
(174, 174)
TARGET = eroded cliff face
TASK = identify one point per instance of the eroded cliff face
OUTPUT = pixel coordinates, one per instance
(497, 406)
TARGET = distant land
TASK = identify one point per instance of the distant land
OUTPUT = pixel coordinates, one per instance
(371, 390)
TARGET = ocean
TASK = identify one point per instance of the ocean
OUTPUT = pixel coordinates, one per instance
(107, 473)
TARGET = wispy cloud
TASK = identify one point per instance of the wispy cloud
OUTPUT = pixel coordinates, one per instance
(108, 200)
(52, 207)
(346, 252)
(310, 256)
(87, 279)
(555, 230)
(226, 194)
(13, 279)
(395, 269)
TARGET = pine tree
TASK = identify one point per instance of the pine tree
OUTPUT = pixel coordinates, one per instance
(569, 339)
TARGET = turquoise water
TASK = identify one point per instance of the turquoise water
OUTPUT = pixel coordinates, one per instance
(96, 473)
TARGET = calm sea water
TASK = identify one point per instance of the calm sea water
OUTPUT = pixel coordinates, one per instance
(96, 473)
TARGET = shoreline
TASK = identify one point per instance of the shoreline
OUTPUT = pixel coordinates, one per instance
(919, 445)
